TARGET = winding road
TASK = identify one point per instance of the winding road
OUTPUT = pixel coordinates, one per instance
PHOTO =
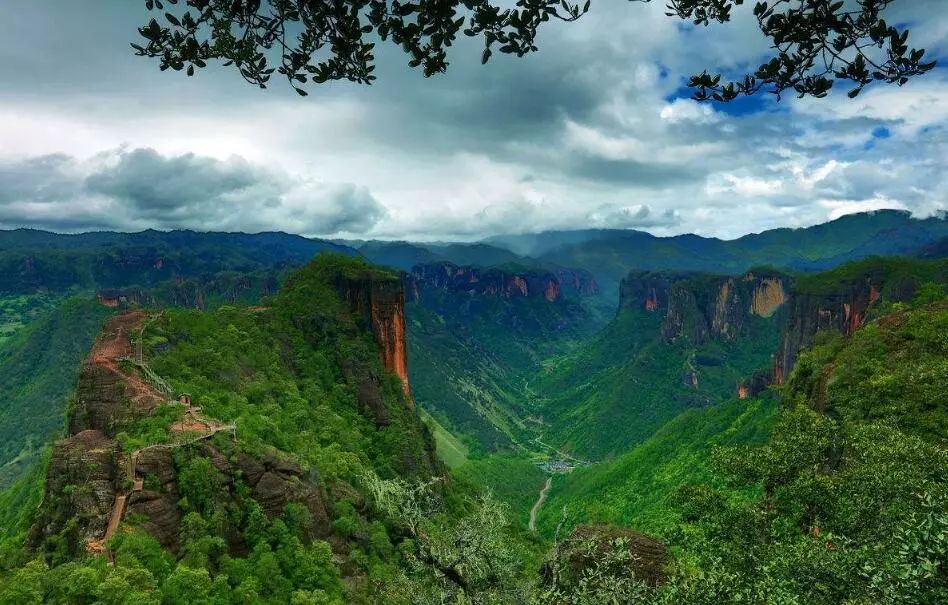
(532, 526)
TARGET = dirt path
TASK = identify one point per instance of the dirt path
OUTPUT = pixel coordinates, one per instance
(121, 500)
(532, 526)
(117, 344)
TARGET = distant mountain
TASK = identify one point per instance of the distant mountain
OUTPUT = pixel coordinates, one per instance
(405, 255)
(32, 260)
(609, 254)
(398, 255)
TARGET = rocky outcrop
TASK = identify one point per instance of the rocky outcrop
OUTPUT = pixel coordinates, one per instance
(368, 391)
(842, 309)
(769, 295)
(157, 503)
(275, 482)
(379, 301)
(841, 300)
(683, 318)
(699, 307)
(648, 289)
(82, 480)
(756, 384)
(272, 481)
(100, 400)
(488, 282)
(633, 556)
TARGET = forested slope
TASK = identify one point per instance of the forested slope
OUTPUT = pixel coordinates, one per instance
(38, 370)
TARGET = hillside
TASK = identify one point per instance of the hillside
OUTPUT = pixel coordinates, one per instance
(679, 341)
(268, 429)
(851, 499)
(838, 494)
(255, 476)
(32, 260)
(38, 370)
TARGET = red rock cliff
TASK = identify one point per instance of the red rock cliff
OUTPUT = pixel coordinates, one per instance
(381, 302)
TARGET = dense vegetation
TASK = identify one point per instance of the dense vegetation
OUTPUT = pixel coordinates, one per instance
(472, 358)
(33, 260)
(853, 501)
(635, 488)
(293, 376)
(628, 381)
(38, 369)
(829, 489)
(18, 310)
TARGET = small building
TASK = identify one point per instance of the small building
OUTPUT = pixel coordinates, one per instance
(114, 298)
(185, 399)
(110, 298)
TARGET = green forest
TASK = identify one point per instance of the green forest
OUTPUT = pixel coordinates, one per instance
(267, 450)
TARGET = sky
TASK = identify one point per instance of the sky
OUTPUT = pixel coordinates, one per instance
(596, 130)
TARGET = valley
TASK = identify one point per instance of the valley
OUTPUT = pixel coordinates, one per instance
(362, 414)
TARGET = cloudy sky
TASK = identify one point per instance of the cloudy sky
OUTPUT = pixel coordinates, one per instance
(595, 130)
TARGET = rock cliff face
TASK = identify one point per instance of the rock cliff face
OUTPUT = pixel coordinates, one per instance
(841, 308)
(379, 302)
(83, 478)
(699, 307)
(271, 481)
(89, 474)
(769, 295)
(493, 282)
(589, 545)
(579, 281)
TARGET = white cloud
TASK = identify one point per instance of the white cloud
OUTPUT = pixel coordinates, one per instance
(746, 186)
(838, 208)
(591, 131)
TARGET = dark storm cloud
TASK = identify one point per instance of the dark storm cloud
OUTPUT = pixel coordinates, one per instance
(633, 172)
(125, 189)
(593, 130)
(156, 185)
(41, 179)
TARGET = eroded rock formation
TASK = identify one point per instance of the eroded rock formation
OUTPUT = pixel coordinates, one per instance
(698, 307)
(494, 282)
(380, 302)
(90, 480)
(768, 296)
(843, 309)
(645, 558)
(82, 480)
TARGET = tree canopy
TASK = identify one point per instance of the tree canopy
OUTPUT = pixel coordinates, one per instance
(814, 42)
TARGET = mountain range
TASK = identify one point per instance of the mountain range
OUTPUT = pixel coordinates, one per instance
(224, 416)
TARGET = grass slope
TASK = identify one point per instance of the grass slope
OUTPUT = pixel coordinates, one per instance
(628, 381)
(633, 490)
